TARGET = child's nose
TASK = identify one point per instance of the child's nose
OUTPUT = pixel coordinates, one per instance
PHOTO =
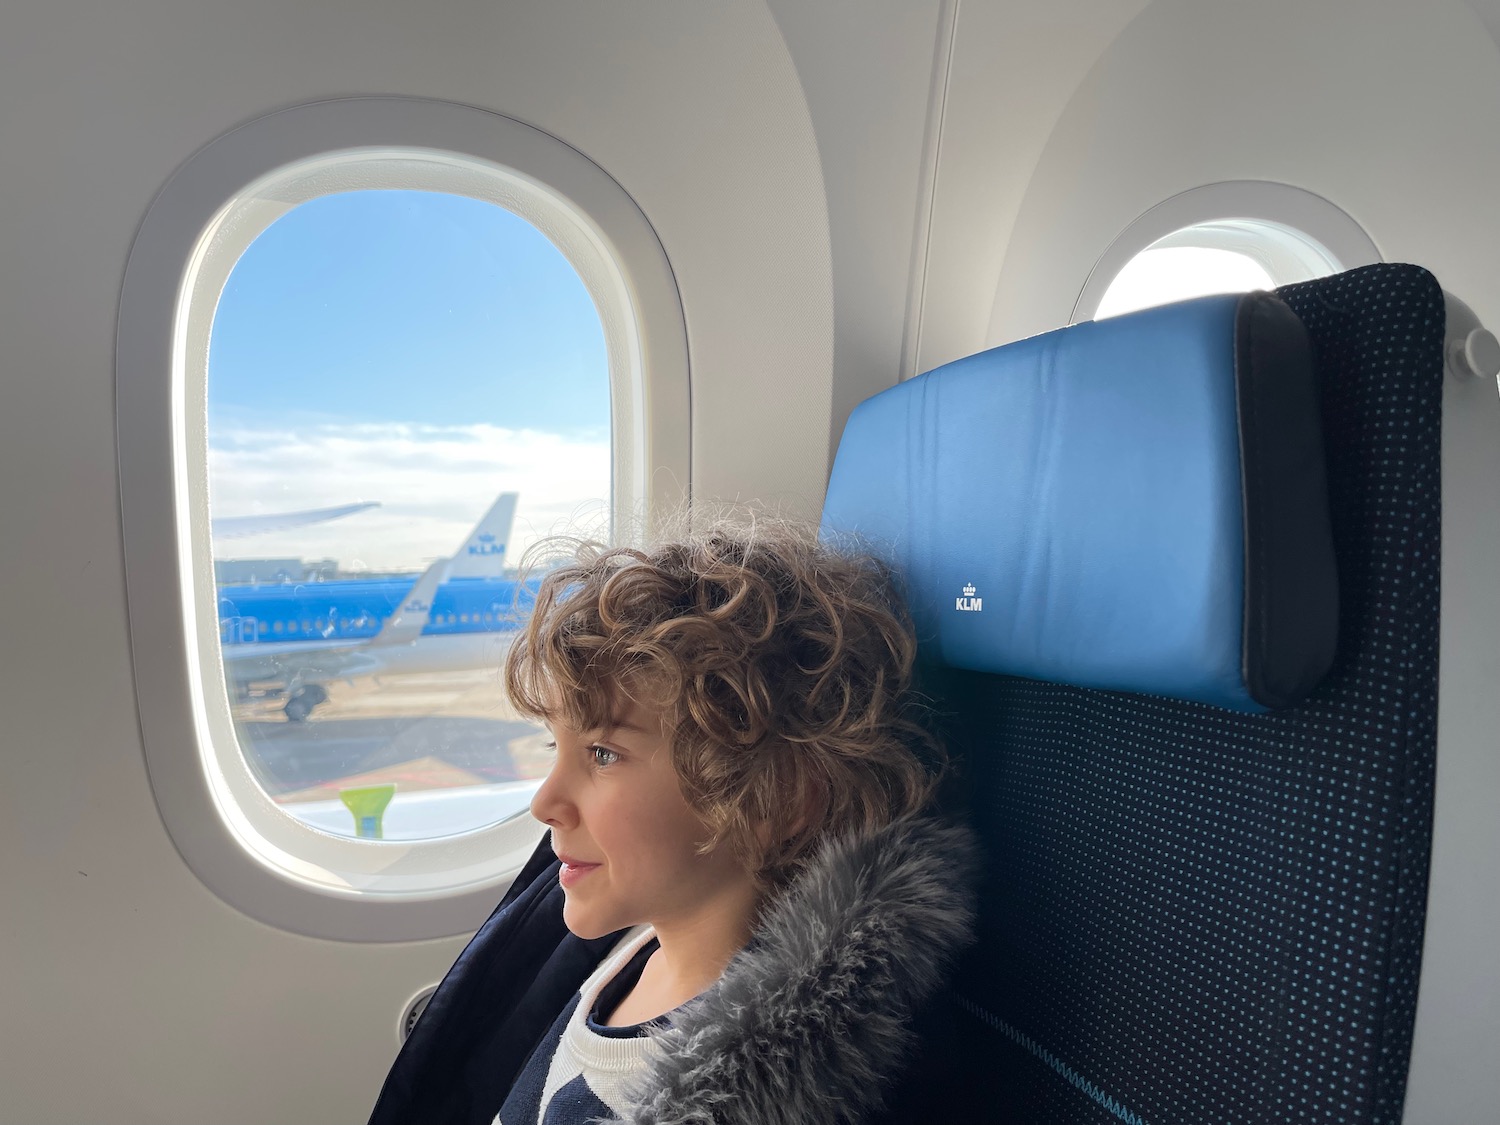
(550, 803)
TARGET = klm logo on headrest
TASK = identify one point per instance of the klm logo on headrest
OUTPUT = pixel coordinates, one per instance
(486, 546)
(969, 603)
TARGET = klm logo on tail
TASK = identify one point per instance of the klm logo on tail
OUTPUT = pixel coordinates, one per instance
(969, 603)
(486, 545)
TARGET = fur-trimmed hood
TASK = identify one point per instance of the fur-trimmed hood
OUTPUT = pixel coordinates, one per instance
(808, 1025)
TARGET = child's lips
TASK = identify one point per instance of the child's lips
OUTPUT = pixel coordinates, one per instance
(573, 870)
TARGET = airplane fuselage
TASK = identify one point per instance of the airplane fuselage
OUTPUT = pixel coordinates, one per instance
(318, 631)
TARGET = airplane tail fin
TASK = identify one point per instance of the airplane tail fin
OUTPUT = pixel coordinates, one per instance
(410, 618)
(481, 556)
(483, 553)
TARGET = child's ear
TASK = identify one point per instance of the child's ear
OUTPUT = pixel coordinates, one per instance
(813, 804)
(814, 808)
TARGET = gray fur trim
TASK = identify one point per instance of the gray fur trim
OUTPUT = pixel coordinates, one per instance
(810, 1023)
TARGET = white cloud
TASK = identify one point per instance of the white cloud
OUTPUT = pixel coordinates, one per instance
(433, 484)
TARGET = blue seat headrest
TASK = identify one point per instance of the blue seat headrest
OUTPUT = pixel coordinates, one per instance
(1138, 504)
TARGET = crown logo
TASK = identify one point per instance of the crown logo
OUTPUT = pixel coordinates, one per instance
(969, 590)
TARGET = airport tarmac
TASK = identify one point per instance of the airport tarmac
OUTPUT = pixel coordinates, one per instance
(421, 731)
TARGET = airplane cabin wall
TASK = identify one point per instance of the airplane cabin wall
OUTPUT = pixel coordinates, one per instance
(1010, 72)
(842, 188)
(136, 994)
(1387, 108)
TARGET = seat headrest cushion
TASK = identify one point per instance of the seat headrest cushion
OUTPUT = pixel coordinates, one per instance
(1137, 504)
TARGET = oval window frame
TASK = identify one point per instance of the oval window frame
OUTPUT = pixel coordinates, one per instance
(1281, 227)
(236, 840)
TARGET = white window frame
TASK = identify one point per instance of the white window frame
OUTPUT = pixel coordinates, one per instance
(247, 850)
(1292, 234)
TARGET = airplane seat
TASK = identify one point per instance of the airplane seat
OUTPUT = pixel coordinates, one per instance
(1175, 579)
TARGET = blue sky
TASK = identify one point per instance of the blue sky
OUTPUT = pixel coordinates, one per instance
(420, 307)
(422, 350)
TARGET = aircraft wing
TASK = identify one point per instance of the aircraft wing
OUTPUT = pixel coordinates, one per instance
(240, 527)
(407, 623)
(312, 662)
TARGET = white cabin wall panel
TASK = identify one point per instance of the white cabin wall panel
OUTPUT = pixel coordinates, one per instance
(139, 996)
(1381, 107)
(866, 68)
(1014, 68)
(1453, 1076)
(1488, 12)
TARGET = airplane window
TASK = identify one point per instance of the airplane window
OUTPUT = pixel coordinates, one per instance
(1163, 274)
(1228, 237)
(405, 389)
(368, 350)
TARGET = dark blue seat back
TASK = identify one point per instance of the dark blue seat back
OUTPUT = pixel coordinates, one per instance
(1191, 914)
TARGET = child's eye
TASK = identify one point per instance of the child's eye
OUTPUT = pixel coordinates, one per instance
(604, 756)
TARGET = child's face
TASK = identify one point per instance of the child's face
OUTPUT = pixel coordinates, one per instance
(627, 836)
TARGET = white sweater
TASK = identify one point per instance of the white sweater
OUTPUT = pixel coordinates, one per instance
(589, 1073)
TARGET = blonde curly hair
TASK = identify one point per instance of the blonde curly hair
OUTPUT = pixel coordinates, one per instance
(782, 669)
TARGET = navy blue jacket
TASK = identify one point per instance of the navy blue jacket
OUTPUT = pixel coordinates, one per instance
(836, 1013)
(497, 1000)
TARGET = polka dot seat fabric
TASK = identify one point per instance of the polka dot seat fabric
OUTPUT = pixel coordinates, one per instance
(1194, 915)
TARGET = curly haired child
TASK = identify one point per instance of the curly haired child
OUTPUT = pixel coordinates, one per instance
(741, 907)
